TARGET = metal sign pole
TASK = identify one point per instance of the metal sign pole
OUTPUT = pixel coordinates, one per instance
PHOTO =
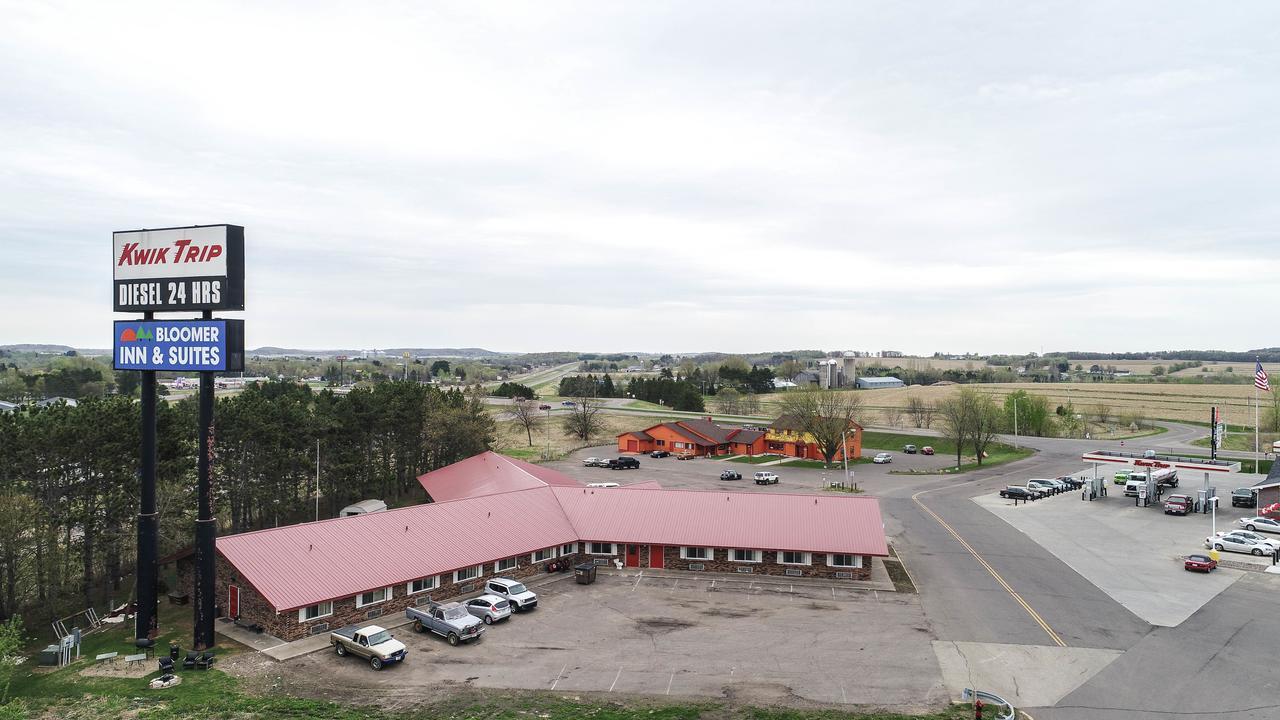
(206, 528)
(145, 621)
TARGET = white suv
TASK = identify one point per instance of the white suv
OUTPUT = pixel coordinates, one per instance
(764, 477)
(514, 592)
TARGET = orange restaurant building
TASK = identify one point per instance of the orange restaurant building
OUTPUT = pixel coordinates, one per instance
(702, 437)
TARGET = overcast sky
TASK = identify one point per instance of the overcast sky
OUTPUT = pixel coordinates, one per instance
(738, 176)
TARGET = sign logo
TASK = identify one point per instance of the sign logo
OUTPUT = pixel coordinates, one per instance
(139, 335)
(178, 269)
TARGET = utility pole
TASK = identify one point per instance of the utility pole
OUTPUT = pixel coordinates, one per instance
(1015, 421)
(317, 479)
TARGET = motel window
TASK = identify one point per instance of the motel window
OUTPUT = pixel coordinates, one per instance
(504, 565)
(848, 561)
(541, 555)
(599, 548)
(373, 597)
(695, 553)
(569, 549)
(319, 610)
(422, 585)
(661, 443)
(740, 555)
(793, 557)
(466, 573)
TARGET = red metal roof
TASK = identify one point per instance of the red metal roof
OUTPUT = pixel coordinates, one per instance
(300, 565)
(486, 474)
(765, 521)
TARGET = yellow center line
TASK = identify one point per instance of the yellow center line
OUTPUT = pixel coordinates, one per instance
(1012, 593)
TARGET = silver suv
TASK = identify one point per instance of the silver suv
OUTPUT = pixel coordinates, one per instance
(489, 608)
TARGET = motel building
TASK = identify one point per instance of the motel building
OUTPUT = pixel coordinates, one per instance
(492, 515)
(703, 437)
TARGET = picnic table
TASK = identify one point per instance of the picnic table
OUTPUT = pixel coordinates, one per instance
(106, 656)
(135, 658)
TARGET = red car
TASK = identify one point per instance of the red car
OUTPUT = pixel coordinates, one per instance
(926, 450)
(1200, 563)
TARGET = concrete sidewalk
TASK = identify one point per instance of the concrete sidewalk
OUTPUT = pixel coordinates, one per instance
(879, 581)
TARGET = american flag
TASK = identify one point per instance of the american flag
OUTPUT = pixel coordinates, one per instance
(1260, 378)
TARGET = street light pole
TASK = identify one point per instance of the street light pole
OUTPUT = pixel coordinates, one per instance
(1015, 421)
(844, 454)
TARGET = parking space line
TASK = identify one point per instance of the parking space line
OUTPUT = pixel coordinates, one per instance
(669, 681)
(1012, 593)
(638, 579)
(560, 676)
(615, 679)
(844, 697)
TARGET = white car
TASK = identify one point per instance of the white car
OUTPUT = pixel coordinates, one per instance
(1241, 541)
(882, 459)
(591, 461)
(514, 592)
(1261, 524)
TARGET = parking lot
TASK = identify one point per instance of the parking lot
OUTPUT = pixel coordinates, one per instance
(1131, 553)
(679, 636)
(704, 473)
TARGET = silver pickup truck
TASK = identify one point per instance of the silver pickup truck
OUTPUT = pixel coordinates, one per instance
(448, 620)
(370, 642)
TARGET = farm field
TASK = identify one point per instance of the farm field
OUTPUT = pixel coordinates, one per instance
(1137, 367)
(1156, 401)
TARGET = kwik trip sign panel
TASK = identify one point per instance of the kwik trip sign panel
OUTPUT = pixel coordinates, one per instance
(182, 345)
(176, 269)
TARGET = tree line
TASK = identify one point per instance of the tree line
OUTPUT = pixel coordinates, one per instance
(69, 475)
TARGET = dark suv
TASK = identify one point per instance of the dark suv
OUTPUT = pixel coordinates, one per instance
(1243, 497)
(624, 463)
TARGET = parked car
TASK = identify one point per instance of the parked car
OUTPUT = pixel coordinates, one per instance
(603, 485)
(451, 621)
(764, 477)
(659, 454)
(909, 449)
(1121, 477)
(1036, 492)
(1243, 497)
(926, 450)
(1148, 454)
(882, 459)
(1075, 482)
(514, 592)
(489, 608)
(1241, 541)
(1048, 487)
(1180, 505)
(544, 407)
(568, 403)
(1061, 485)
(592, 462)
(1199, 563)
(686, 456)
(371, 642)
(730, 475)
(1263, 524)
(1014, 492)
(625, 463)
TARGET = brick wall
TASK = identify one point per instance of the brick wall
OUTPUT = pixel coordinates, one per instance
(285, 625)
(768, 565)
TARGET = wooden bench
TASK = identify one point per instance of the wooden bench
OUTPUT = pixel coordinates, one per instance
(106, 656)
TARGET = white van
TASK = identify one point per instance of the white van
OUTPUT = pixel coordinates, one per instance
(602, 485)
(764, 477)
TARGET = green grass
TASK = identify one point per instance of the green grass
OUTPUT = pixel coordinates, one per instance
(819, 465)
(997, 454)
(1241, 441)
(528, 454)
(642, 405)
(755, 459)
(894, 442)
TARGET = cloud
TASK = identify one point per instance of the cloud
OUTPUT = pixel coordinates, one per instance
(669, 177)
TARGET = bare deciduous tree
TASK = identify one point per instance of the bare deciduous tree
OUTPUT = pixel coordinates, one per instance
(750, 404)
(824, 414)
(584, 419)
(892, 416)
(920, 411)
(526, 415)
(729, 401)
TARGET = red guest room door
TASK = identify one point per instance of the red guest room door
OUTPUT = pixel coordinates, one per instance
(233, 602)
(655, 557)
(633, 556)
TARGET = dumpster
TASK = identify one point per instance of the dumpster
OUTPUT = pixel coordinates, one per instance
(49, 655)
(585, 573)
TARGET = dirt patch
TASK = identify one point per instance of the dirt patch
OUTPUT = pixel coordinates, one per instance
(821, 606)
(661, 625)
(898, 574)
(730, 611)
(118, 669)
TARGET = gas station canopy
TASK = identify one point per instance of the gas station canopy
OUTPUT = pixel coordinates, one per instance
(1161, 461)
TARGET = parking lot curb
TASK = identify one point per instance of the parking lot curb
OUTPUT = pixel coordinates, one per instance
(761, 580)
